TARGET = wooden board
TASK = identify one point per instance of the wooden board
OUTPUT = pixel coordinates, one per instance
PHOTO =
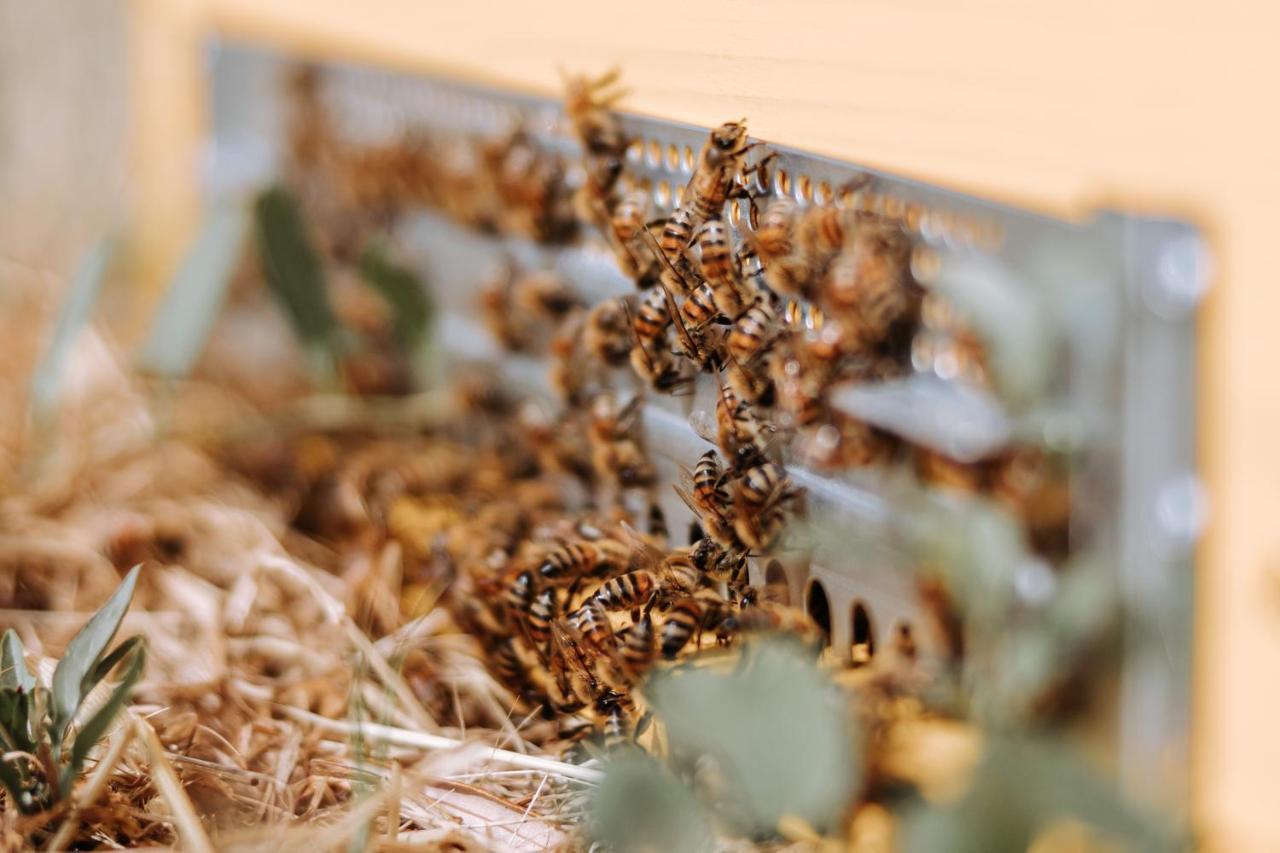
(1168, 107)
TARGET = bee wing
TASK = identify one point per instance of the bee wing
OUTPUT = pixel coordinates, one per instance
(704, 424)
(644, 554)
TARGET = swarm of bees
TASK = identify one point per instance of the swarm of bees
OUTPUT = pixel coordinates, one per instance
(772, 302)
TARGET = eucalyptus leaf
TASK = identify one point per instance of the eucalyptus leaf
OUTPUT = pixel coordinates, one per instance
(13, 664)
(184, 319)
(79, 662)
(107, 663)
(82, 295)
(403, 291)
(96, 726)
(292, 268)
(1021, 786)
(777, 730)
(641, 805)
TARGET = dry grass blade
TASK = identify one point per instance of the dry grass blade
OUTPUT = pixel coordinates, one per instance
(93, 788)
(185, 820)
(403, 737)
(337, 614)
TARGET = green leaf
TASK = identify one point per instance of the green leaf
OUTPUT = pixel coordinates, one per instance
(13, 664)
(12, 779)
(81, 297)
(96, 726)
(777, 730)
(1021, 787)
(79, 662)
(292, 268)
(402, 290)
(184, 319)
(641, 805)
(106, 664)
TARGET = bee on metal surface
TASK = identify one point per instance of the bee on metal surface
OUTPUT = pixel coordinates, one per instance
(719, 167)
(510, 326)
(568, 366)
(842, 443)
(652, 316)
(752, 332)
(608, 332)
(658, 368)
(677, 234)
(616, 452)
(588, 102)
(869, 282)
(699, 307)
(752, 387)
(544, 295)
(717, 265)
(761, 496)
(762, 483)
(706, 483)
(769, 617)
(657, 523)
(717, 526)
(737, 426)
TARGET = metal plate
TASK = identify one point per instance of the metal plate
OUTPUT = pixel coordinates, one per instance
(1119, 293)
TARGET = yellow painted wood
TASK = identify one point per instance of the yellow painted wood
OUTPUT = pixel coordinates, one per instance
(1164, 106)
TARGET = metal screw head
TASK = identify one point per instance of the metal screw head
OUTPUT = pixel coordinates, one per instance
(1181, 511)
(1183, 271)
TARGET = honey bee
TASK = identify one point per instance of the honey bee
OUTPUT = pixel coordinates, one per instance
(770, 617)
(869, 283)
(567, 370)
(752, 387)
(607, 333)
(677, 234)
(576, 559)
(617, 728)
(699, 307)
(627, 591)
(717, 265)
(639, 649)
(588, 103)
(719, 167)
(510, 327)
(799, 392)
(591, 622)
(658, 368)
(544, 295)
(707, 484)
(543, 609)
(752, 331)
(652, 317)
(843, 443)
(657, 523)
(616, 453)
(715, 524)
(737, 424)
(759, 505)
(688, 617)
(519, 592)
